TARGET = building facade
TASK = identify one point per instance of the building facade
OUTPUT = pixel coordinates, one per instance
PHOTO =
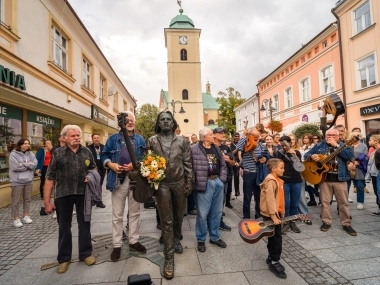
(360, 32)
(296, 89)
(247, 114)
(52, 74)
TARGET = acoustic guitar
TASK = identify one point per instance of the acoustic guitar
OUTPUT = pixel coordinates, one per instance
(315, 171)
(251, 231)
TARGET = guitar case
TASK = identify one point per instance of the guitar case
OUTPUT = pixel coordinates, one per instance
(142, 190)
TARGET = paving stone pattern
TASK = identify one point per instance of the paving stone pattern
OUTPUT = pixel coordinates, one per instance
(308, 266)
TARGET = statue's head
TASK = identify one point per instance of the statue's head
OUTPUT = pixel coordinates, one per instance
(165, 122)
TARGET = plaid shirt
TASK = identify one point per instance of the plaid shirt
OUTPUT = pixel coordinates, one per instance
(69, 169)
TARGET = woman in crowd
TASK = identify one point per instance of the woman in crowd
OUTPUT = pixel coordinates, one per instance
(360, 152)
(43, 161)
(22, 163)
(294, 142)
(372, 170)
(270, 147)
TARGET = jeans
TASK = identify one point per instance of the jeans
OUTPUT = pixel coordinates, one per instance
(250, 188)
(292, 193)
(302, 202)
(359, 184)
(374, 184)
(313, 191)
(209, 210)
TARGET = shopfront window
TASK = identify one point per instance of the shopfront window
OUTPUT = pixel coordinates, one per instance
(10, 133)
(41, 127)
(372, 127)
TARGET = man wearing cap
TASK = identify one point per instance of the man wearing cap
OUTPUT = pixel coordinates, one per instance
(250, 163)
(219, 138)
(236, 167)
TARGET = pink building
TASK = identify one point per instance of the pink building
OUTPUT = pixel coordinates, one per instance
(298, 86)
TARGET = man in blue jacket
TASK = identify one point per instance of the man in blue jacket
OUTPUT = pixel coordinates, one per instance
(336, 180)
(117, 161)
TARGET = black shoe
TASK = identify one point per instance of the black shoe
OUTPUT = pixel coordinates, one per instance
(312, 203)
(178, 247)
(224, 227)
(285, 228)
(219, 243)
(100, 205)
(376, 213)
(350, 230)
(308, 222)
(294, 227)
(325, 227)
(115, 255)
(42, 212)
(228, 205)
(201, 246)
(276, 269)
(138, 246)
(269, 260)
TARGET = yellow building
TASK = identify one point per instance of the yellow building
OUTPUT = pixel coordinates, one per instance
(52, 74)
(184, 78)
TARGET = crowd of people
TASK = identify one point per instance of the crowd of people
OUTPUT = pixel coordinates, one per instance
(199, 172)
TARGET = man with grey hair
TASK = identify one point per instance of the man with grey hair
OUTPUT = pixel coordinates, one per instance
(210, 173)
(67, 171)
(117, 160)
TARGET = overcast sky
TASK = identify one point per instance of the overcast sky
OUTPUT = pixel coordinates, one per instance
(241, 41)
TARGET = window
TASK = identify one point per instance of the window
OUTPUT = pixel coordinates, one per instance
(305, 87)
(86, 73)
(297, 63)
(303, 59)
(183, 54)
(366, 70)
(289, 97)
(211, 122)
(115, 101)
(316, 50)
(362, 17)
(253, 119)
(324, 44)
(309, 55)
(333, 38)
(59, 52)
(327, 80)
(276, 103)
(185, 94)
(103, 86)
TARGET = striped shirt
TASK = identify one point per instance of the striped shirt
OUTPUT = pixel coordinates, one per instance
(248, 162)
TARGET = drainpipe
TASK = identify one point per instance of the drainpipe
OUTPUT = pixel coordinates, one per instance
(341, 66)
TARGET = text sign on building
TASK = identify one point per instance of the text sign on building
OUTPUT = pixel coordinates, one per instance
(99, 115)
(10, 77)
(10, 112)
(43, 120)
(369, 110)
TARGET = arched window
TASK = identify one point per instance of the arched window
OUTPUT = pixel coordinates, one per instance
(211, 122)
(183, 54)
(185, 94)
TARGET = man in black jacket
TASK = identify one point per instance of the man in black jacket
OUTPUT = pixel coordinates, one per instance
(96, 149)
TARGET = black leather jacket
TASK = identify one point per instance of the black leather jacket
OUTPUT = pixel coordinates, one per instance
(178, 162)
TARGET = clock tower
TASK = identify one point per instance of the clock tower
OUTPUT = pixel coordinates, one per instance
(184, 74)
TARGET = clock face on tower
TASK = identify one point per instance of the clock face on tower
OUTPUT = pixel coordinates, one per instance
(182, 40)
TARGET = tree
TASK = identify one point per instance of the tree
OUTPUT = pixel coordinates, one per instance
(303, 129)
(146, 117)
(228, 101)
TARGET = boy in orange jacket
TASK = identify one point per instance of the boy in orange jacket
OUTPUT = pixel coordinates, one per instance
(272, 207)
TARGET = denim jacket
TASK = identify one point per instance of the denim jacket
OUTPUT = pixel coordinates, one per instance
(343, 157)
(111, 152)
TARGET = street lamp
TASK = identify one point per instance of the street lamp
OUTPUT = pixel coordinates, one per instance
(181, 111)
(271, 109)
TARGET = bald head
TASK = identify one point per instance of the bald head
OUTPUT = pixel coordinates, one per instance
(255, 133)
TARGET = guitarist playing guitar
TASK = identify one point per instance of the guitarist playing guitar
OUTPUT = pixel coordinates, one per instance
(336, 178)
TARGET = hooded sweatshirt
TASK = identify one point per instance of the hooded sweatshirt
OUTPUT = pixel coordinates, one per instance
(21, 167)
(272, 197)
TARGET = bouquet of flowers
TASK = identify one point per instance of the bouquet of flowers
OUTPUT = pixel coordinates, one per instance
(153, 168)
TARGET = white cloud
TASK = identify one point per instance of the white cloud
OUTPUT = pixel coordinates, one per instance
(241, 41)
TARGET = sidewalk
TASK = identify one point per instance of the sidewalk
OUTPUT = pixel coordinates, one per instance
(311, 257)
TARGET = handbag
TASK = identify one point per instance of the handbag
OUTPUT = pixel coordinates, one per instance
(352, 173)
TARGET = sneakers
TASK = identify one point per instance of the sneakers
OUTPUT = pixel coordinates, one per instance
(224, 227)
(294, 227)
(138, 246)
(360, 206)
(350, 230)
(285, 228)
(201, 246)
(325, 227)
(89, 260)
(277, 269)
(376, 213)
(54, 215)
(219, 243)
(42, 212)
(350, 200)
(228, 205)
(63, 267)
(17, 223)
(27, 220)
(115, 255)
(312, 203)
(269, 260)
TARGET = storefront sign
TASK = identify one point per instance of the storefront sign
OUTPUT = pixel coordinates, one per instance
(369, 110)
(10, 112)
(99, 115)
(43, 120)
(305, 118)
(10, 77)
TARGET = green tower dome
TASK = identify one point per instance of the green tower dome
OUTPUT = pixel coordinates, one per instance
(181, 22)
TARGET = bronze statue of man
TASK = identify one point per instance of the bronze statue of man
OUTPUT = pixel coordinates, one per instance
(176, 186)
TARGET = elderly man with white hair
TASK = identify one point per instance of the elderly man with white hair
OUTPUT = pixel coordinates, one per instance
(117, 160)
(210, 173)
(67, 173)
